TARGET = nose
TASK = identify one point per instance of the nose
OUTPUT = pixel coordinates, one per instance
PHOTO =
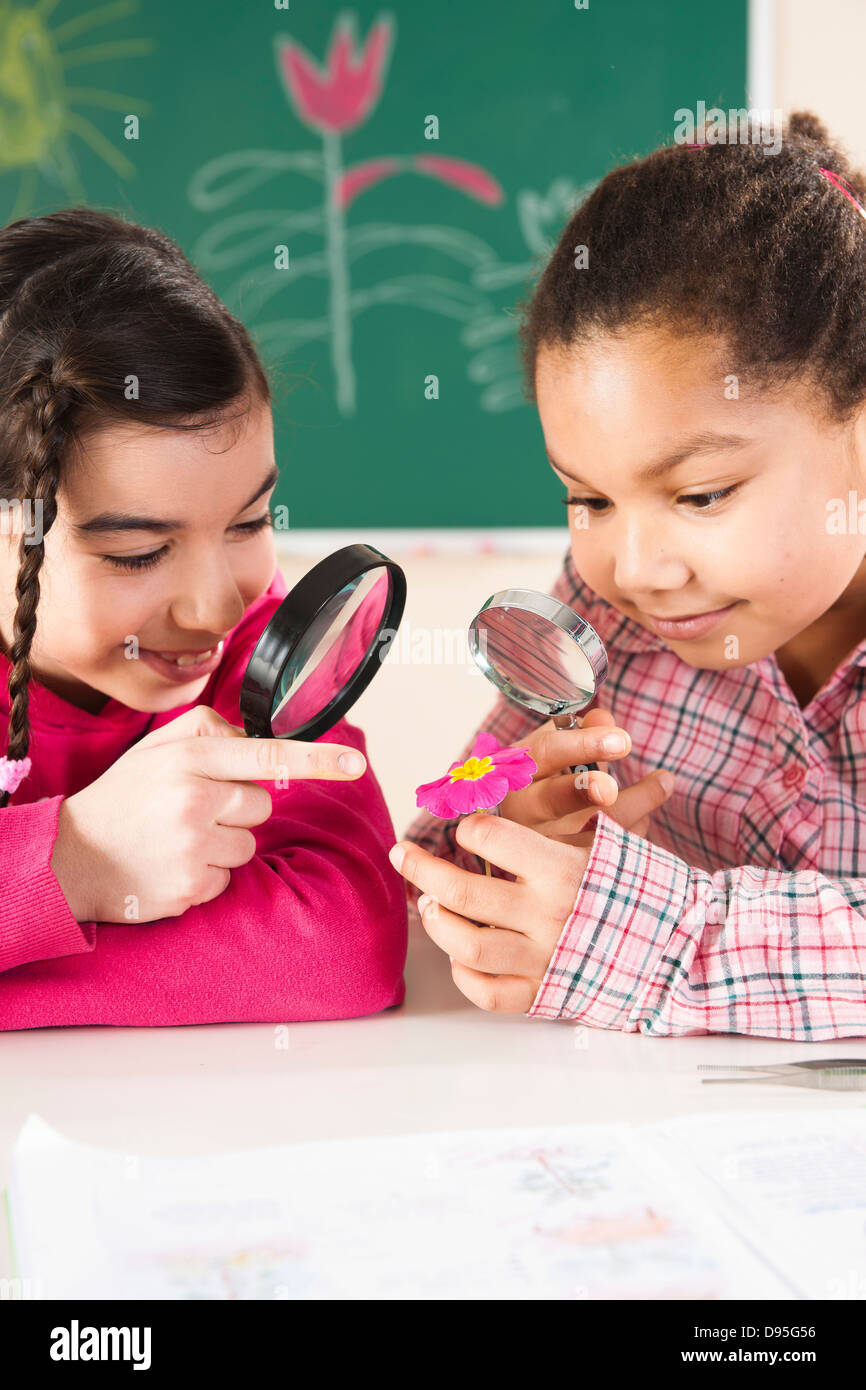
(210, 600)
(645, 562)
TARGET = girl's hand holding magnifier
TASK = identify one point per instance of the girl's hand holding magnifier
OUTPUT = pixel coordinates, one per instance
(558, 804)
(542, 654)
(163, 827)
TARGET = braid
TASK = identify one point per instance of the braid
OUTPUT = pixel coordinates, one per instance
(40, 483)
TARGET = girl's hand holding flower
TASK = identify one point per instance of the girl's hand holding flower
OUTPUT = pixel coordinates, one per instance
(497, 970)
(503, 969)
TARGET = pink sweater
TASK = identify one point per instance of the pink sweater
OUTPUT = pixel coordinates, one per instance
(313, 927)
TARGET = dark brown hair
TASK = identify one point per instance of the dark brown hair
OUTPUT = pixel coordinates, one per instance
(88, 303)
(755, 249)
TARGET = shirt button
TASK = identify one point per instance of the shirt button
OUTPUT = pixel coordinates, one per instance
(793, 776)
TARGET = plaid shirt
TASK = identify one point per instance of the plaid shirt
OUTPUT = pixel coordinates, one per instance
(746, 910)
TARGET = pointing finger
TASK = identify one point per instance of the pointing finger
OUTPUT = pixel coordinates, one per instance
(268, 759)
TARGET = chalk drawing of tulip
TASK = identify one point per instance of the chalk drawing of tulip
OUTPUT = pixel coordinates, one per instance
(343, 96)
(334, 101)
(37, 104)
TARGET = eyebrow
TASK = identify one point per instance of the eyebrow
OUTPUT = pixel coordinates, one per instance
(706, 442)
(123, 521)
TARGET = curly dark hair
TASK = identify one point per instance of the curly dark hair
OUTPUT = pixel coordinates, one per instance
(88, 304)
(756, 249)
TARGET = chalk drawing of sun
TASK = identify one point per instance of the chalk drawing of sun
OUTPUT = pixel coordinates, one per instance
(37, 105)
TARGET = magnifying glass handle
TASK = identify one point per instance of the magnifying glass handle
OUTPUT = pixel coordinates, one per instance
(570, 721)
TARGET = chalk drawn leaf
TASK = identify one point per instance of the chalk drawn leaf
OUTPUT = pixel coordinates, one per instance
(245, 170)
(248, 235)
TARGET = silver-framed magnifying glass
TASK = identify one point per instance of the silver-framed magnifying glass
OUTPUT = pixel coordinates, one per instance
(539, 653)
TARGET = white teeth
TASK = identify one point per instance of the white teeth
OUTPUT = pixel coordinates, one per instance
(197, 660)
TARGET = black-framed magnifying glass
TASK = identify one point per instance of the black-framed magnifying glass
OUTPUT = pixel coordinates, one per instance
(539, 653)
(323, 645)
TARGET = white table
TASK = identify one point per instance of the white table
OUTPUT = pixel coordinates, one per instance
(437, 1062)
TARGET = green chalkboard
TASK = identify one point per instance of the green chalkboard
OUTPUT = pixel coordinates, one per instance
(410, 267)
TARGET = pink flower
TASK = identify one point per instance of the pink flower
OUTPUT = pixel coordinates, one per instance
(479, 783)
(341, 97)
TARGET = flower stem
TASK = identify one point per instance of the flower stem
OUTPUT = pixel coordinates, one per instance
(485, 811)
(338, 276)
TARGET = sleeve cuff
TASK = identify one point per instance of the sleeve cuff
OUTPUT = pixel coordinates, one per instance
(38, 922)
(609, 963)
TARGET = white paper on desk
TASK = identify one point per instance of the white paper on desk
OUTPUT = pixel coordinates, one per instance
(793, 1183)
(576, 1211)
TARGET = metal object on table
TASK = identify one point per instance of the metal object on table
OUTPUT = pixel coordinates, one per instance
(830, 1074)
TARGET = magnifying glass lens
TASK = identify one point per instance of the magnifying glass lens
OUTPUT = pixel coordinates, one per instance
(542, 666)
(331, 650)
(538, 652)
(323, 645)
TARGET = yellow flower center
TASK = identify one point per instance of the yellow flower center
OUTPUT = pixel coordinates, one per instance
(472, 769)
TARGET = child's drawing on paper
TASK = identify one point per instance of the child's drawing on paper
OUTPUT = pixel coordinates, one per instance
(261, 1272)
(582, 1218)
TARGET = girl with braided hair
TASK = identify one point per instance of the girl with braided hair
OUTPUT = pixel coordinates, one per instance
(158, 866)
(696, 349)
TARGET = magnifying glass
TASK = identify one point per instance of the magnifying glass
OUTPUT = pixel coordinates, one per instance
(539, 653)
(323, 645)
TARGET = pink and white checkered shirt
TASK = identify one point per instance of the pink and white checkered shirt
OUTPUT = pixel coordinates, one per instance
(746, 913)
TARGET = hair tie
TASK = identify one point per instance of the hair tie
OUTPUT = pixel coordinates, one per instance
(12, 773)
(845, 187)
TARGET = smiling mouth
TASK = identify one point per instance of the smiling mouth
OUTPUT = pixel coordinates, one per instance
(687, 617)
(188, 658)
